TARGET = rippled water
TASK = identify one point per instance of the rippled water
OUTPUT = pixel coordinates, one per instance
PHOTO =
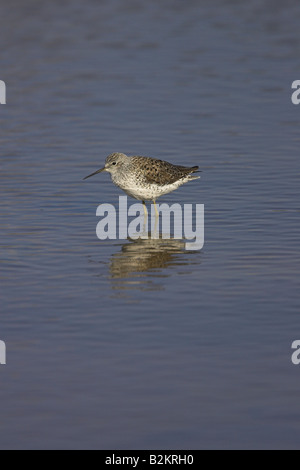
(143, 344)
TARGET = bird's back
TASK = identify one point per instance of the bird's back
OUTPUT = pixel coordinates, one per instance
(160, 172)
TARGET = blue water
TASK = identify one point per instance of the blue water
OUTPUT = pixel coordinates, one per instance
(119, 344)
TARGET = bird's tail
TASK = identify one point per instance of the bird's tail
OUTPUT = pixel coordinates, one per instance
(194, 169)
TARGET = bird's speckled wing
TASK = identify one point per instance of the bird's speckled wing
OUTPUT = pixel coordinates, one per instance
(161, 172)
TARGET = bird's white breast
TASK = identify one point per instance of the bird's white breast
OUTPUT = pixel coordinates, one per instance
(133, 188)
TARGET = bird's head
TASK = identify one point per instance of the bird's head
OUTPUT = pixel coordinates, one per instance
(112, 163)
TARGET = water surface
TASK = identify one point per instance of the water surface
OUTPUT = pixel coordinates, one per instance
(126, 344)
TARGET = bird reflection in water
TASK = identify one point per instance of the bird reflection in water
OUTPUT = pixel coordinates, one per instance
(143, 259)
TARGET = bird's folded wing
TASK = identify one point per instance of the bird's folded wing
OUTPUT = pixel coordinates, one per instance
(167, 173)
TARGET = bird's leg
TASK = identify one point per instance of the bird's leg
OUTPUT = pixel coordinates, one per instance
(156, 211)
(145, 209)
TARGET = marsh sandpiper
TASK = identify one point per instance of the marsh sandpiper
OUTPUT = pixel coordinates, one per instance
(146, 178)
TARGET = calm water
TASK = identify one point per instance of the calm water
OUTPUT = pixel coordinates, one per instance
(121, 344)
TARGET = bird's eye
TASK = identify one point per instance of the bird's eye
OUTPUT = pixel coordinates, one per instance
(114, 163)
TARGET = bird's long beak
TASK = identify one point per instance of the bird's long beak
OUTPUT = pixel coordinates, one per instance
(95, 173)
